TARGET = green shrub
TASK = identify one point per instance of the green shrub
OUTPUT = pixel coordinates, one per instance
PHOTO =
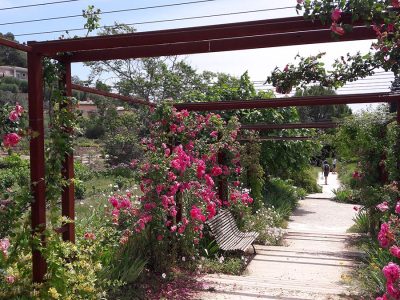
(94, 131)
(82, 172)
(307, 180)
(282, 195)
(8, 87)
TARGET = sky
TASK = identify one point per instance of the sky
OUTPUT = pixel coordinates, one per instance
(259, 62)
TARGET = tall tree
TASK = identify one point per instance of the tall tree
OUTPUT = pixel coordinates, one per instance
(10, 56)
(320, 112)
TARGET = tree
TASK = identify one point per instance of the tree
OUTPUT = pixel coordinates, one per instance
(320, 112)
(10, 56)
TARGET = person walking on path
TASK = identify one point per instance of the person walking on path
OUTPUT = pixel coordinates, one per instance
(334, 165)
(325, 169)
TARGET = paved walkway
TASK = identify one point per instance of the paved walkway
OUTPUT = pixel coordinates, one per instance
(312, 264)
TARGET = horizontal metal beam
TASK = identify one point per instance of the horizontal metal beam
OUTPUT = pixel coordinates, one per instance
(288, 102)
(111, 95)
(183, 35)
(279, 138)
(15, 45)
(224, 44)
(263, 126)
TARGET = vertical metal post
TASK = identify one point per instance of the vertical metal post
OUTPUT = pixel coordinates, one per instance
(37, 159)
(67, 171)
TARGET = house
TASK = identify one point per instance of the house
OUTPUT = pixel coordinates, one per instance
(87, 107)
(12, 71)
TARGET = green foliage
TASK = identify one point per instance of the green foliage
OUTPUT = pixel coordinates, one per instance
(14, 193)
(320, 113)
(281, 195)
(370, 275)
(345, 195)
(229, 265)
(361, 222)
(121, 142)
(128, 262)
(10, 56)
(306, 179)
(253, 175)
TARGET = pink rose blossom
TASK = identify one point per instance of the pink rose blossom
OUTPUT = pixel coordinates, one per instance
(336, 14)
(397, 209)
(383, 235)
(89, 236)
(337, 29)
(171, 176)
(4, 245)
(383, 206)
(214, 134)
(19, 109)
(13, 116)
(216, 171)
(396, 3)
(395, 251)
(11, 139)
(10, 279)
(209, 180)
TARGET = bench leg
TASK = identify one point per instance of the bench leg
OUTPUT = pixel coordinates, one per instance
(254, 248)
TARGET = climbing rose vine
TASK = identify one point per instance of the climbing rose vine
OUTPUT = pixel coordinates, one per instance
(187, 157)
(341, 16)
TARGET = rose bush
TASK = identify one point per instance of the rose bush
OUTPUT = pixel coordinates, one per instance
(188, 159)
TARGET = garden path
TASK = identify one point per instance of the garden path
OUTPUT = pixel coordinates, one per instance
(313, 264)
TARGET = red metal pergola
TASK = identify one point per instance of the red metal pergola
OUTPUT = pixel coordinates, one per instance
(204, 39)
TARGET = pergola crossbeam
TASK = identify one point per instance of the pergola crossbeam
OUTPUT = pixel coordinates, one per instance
(264, 126)
(111, 95)
(185, 35)
(288, 102)
(14, 45)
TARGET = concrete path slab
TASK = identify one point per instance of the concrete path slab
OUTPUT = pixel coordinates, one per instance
(311, 264)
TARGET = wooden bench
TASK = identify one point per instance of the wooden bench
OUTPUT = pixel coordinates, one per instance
(227, 235)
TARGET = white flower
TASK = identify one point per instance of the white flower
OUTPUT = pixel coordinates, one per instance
(221, 259)
(193, 258)
(183, 258)
(163, 275)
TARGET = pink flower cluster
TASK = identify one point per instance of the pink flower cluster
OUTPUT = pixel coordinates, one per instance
(387, 239)
(385, 236)
(392, 275)
(335, 27)
(12, 139)
(4, 245)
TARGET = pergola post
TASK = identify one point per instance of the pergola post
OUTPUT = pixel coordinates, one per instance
(67, 171)
(222, 181)
(37, 160)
